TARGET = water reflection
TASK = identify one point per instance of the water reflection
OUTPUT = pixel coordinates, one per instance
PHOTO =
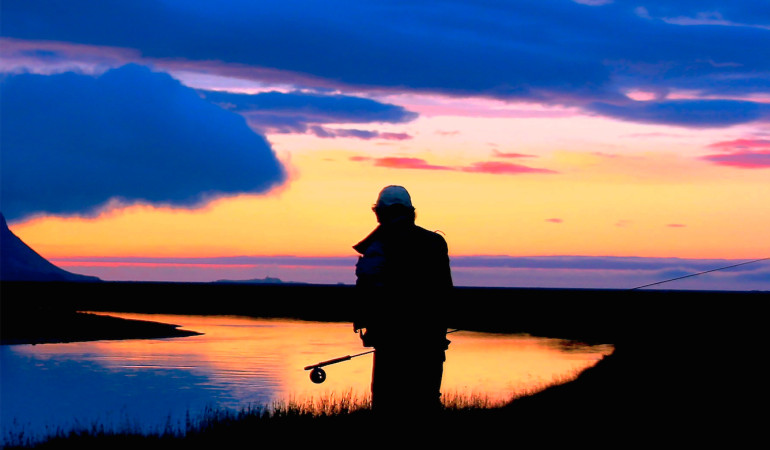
(241, 361)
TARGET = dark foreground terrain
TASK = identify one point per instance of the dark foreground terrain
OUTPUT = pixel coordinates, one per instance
(688, 367)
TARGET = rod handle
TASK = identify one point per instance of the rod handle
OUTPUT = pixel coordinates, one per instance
(326, 363)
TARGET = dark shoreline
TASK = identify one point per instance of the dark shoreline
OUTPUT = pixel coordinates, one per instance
(44, 326)
(686, 368)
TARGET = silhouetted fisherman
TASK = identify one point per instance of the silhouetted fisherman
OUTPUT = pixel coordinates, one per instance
(404, 278)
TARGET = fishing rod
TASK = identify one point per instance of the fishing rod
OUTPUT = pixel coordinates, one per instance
(700, 273)
(318, 375)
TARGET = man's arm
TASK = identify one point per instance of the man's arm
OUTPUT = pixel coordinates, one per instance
(443, 269)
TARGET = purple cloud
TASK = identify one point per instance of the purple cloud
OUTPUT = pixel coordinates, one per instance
(742, 160)
(71, 143)
(741, 153)
(505, 271)
(686, 113)
(324, 132)
(301, 112)
(515, 50)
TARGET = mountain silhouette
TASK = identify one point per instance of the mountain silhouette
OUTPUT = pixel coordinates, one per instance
(18, 262)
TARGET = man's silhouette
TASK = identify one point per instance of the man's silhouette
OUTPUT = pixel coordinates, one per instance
(404, 278)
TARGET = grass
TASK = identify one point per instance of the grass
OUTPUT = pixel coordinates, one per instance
(223, 424)
(311, 421)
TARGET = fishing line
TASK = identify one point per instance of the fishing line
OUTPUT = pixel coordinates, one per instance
(700, 273)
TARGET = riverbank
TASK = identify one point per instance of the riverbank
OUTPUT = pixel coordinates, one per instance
(686, 364)
(52, 326)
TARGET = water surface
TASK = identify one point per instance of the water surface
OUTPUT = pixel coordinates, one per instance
(238, 362)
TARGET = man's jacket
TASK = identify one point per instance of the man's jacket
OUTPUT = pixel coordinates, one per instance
(404, 278)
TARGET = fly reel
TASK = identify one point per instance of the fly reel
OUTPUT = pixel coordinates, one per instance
(317, 375)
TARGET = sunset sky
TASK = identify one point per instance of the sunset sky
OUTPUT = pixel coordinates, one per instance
(554, 143)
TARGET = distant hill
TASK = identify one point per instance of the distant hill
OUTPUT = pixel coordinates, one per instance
(266, 280)
(18, 262)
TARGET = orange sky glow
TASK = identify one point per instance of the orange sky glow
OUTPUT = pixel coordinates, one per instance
(614, 189)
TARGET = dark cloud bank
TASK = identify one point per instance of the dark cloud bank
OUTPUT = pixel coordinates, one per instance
(554, 52)
(503, 271)
(72, 142)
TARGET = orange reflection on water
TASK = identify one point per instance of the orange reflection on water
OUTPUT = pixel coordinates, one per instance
(247, 357)
(502, 366)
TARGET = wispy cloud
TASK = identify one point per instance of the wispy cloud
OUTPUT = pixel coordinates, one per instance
(502, 168)
(741, 144)
(407, 163)
(593, 2)
(742, 160)
(488, 167)
(301, 112)
(499, 154)
(326, 132)
(741, 153)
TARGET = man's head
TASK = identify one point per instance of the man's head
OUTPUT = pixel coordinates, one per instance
(393, 195)
(392, 203)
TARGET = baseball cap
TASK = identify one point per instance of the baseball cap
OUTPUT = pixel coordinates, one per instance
(394, 195)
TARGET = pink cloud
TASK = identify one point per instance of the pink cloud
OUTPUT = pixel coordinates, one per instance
(554, 220)
(676, 225)
(488, 167)
(395, 136)
(741, 144)
(512, 155)
(496, 167)
(742, 160)
(407, 163)
(606, 155)
(741, 153)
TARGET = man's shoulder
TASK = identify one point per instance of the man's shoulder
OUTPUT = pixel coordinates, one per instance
(430, 236)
